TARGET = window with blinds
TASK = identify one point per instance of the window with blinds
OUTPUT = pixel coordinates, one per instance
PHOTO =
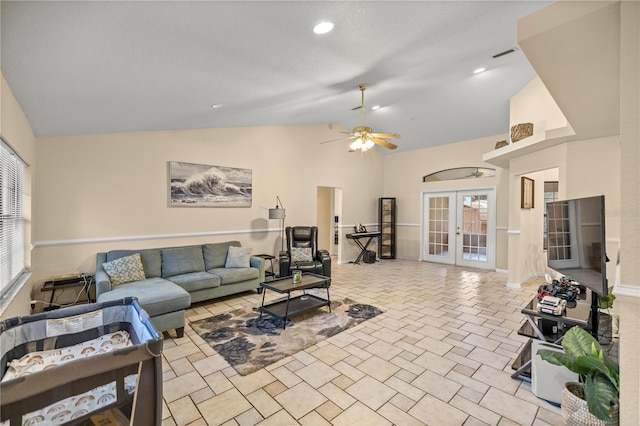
(12, 218)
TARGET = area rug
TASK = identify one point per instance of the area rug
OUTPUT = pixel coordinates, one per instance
(249, 342)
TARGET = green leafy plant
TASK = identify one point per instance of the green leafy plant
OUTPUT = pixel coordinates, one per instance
(599, 374)
(606, 302)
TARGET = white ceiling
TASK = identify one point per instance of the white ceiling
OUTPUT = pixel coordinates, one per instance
(84, 67)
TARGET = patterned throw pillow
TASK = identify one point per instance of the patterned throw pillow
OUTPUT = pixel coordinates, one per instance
(238, 257)
(301, 254)
(125, 269)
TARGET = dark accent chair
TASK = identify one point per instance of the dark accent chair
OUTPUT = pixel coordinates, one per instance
(304, 237)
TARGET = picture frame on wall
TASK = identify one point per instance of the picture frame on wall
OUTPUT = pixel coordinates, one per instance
(527, 187)
(202, 185)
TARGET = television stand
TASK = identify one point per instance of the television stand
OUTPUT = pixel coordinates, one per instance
(551, 328)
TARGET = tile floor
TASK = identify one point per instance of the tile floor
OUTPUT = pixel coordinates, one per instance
(441, 354)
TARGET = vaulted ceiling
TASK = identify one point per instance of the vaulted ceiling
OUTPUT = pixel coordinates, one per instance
(85, 67)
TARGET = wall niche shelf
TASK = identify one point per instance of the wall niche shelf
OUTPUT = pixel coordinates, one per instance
(536, 142)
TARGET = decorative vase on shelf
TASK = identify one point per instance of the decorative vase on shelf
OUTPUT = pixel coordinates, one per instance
(575, 411)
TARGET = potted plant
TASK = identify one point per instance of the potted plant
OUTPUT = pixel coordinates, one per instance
(606, 302)
(599, 376)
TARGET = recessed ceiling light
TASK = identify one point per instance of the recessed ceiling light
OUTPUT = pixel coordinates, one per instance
(216, 106)
(375, 107)
(479, 70)
(323, 27)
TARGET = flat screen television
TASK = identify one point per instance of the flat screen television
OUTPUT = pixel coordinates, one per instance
(576, 245)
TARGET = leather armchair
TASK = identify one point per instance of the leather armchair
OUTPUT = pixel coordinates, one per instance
(304, 237)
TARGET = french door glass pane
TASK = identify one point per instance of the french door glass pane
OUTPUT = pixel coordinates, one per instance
(439, 226)
(474, 227)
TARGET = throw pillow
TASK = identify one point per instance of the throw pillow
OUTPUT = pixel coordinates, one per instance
(238, 257)
(301, 254)
(125, 269)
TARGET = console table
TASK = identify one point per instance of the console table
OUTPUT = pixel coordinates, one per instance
(549, 328)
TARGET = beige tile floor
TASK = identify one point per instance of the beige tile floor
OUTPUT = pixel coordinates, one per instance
(440, 354)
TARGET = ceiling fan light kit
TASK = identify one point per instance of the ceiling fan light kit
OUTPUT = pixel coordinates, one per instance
(364, 138)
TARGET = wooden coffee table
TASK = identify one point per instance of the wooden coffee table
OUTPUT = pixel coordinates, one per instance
(286, 308)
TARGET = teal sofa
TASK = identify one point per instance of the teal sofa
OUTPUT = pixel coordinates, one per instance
(176, 277)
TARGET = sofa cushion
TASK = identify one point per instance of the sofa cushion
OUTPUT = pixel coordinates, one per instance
(215, 254)
(238, 257)
(196, 281)
(157, 296)
(301, 254)
(182, 260)
(125, 269)
(234, 275)
(151, 260)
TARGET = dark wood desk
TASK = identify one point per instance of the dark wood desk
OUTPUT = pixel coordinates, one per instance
(363, 247)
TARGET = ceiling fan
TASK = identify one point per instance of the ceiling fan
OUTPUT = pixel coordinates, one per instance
(363, 137)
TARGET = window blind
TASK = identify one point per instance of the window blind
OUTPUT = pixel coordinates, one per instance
(12, 217)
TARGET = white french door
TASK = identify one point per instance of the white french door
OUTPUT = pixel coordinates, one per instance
(458, 228)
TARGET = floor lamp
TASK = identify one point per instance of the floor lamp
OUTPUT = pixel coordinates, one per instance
(279, 213)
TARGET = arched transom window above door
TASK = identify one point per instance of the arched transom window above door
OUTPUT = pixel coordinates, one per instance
(460, 173)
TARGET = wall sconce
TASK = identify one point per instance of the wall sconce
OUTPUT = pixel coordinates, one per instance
(279, 213)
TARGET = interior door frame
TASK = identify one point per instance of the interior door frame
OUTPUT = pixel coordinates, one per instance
(455, 247)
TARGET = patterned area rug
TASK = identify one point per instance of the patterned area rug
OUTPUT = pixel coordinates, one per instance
(249, 342)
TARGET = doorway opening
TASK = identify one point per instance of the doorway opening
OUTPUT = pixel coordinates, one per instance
(329, 219)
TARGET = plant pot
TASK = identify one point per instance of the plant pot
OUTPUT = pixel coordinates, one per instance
(575, 411)
(605, 328)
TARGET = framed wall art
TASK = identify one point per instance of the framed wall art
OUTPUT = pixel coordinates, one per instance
(526, 193)
(201, 185)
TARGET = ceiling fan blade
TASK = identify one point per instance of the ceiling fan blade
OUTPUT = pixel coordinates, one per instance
(384, 143)
(385, 135)
(341, 139)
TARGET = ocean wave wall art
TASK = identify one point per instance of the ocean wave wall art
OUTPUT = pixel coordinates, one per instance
(200, 185)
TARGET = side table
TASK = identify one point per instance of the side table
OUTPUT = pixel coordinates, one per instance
(60, 283)
(270, 258)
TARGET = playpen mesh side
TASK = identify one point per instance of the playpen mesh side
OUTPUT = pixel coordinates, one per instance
(69, 326)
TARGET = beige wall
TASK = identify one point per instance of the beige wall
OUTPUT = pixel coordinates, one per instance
(628, 286)
(534, 104)
(102, 192)
(15, 130)
(582, 168)
(403, 173)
